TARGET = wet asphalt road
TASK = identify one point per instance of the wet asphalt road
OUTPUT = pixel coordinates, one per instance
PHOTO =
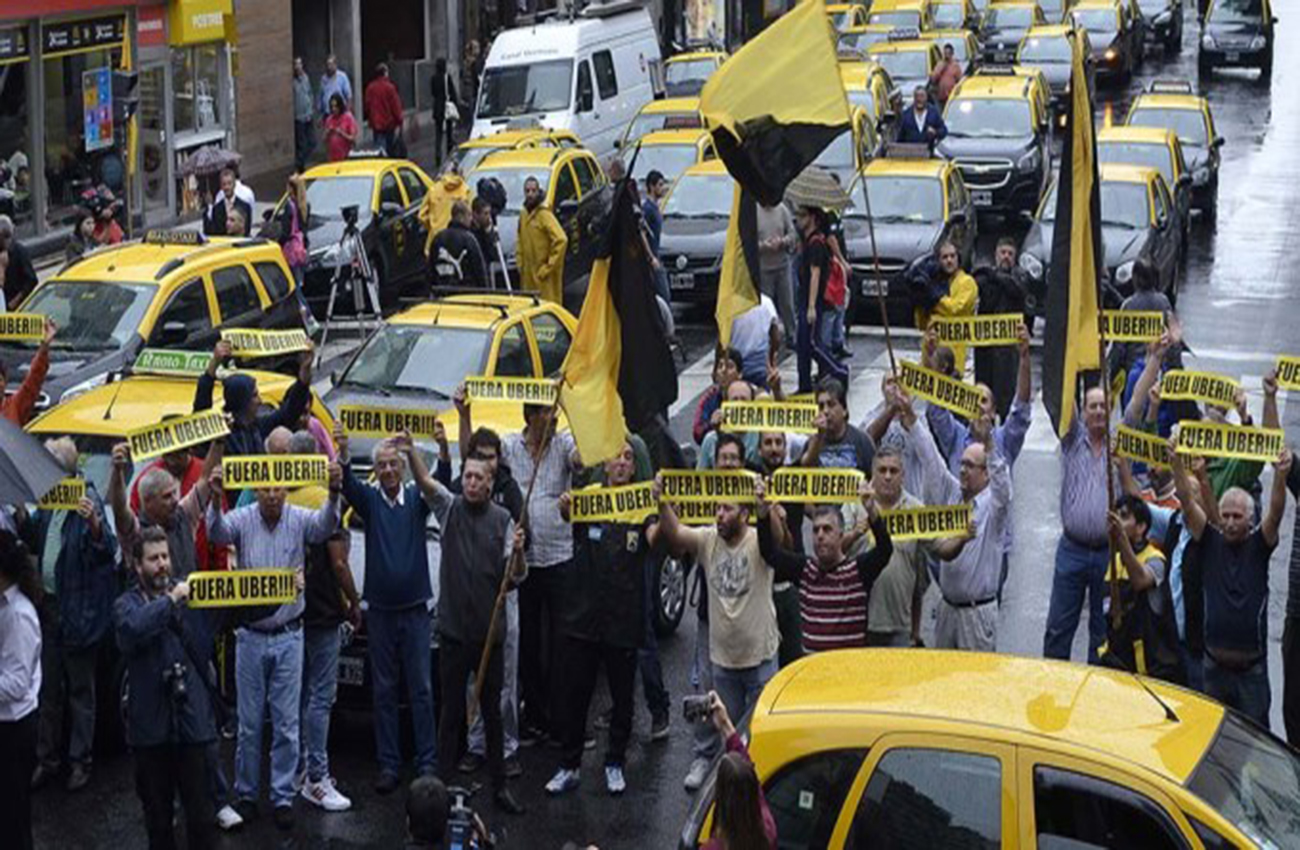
(1236, 304)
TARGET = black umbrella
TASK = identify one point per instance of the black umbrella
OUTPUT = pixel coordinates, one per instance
(27, 470)
(209, 160)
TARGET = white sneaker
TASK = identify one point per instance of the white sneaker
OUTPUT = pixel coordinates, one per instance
(696, 775)
(326, 796)
(228, 818)
(614, 781)
(563, 781)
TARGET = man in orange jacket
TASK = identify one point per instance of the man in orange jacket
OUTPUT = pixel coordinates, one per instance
(17, 408)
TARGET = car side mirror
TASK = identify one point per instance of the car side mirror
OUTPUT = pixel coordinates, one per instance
(172, 334)
(618, 144)
(389, 208)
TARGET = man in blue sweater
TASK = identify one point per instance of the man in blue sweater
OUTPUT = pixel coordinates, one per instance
(397, 593)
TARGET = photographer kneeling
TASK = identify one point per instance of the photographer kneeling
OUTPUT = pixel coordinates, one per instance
(169, 714)
(741, 818)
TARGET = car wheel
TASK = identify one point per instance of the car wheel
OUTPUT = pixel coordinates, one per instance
(670, 595)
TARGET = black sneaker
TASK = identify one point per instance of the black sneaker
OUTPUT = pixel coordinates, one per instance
(284, 818)
(659, 727)
(247, 810)
(470, 763)
(78, 777)
(514, 769)
(386, 784)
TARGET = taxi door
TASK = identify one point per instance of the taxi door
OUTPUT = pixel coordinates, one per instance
(1068, 802)
(920, 791)
(394, 238)
(414, 189)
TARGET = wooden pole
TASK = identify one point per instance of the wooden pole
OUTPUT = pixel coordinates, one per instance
(1115, 614)
(875, 267)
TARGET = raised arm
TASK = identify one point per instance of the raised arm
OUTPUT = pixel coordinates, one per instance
(1193, 513)
(207, 382)
(437, 496)
(1140, 576)
(220, 530)
(324, 520)
(678, 538)
(873, 561)
(123, 516)
(1277, 498)
(30, 389)
(1025, 375)
(296, 400)
(1271, 418)
(466, 421)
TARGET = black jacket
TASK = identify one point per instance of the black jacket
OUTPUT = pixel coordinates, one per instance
(443, 89)
(214, 220)
(20, 275)
(249, 439)
(1001, 290)
(456, 259)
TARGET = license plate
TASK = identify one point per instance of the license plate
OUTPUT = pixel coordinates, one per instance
(981, 198)
(1233, 56)
(875, 287)
(1001, 57)
(352, 671)
(682, 281)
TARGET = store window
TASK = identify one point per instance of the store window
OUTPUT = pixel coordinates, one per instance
(71, 169)
(196, 85)
(15, 129)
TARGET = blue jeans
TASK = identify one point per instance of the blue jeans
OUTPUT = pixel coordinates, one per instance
(739, 688)
(509, 689)
(268, 673)
(384, 140)
(706, 744)
(838, 328)
(1079, 570)
(320, 683)
(1245, 690)
(810, 348)
(647, 657)
(399, 640)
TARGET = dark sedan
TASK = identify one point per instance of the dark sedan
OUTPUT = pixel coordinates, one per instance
(1237, 33)
(1115, 42)
(696, 215)
(1003, 27)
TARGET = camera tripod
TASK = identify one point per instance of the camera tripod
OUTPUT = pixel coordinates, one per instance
(352, 271)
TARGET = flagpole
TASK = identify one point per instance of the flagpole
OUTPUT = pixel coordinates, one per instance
(875, 265)
(1115, 614)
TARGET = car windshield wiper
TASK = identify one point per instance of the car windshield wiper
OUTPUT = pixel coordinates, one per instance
(1127, 225)
(375, 388)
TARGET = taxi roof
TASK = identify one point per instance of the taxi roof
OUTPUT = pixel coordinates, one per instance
(139, 262)
(466, 311)
(1169, 101)
(522, 158)
(1102, 710)
(1114, 172)
(695, 55)
(855, 74)
(510, 138)
(671, 104)
(708, 168)
(907, 167)
(940, 35)
(990, 87)
(1015, 3)
(835, 8)
(679, 136)
(1144, 135)
(910, 45)
(111, 410)
(1095, 4)
(873, 28)
(897, 5)
(1049, 31)
(359, 167)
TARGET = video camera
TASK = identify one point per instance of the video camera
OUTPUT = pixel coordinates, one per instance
(351, 215)
(465, 829)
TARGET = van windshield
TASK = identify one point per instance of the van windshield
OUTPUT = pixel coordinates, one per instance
(510, 90)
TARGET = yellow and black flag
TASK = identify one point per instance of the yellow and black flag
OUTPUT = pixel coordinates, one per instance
(605, 394)
(1071, 339)
(771, 109)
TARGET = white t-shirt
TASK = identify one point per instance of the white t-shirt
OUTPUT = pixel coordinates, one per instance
(750, 331)
(742, 617)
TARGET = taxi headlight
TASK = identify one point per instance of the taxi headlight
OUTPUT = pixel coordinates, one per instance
(1110, 54)
(1257, 43)
(1124, 273)
(84, 387)
(1207, 41)
(1032, 265)
(1029, 161)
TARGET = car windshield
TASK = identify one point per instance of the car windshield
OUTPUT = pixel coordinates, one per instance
(900, 19)
(1188, 124)
(987, 118)
(842, 20)
(1152, 7)
(1045, 50)
(1237, 12)
(1137, 153)
(327, 196)
(862, 40)
(1122, 205)
(668, 160)
(1252, 780)
(92, 316)
(647, 122)
(700, 196)
(1052, 9)
(904, 65)
(467, 159)
(894, 199)
(512, 180)
(1013, 17)
(522, 89)
(839, 153)
(695, 70)
(949, 16)
(409, 357)
(1096, 20)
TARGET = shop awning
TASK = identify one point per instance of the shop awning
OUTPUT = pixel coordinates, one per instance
(197, 21)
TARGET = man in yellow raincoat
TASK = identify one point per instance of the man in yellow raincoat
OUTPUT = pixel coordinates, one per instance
(541, 246)
(435, 211)
(961, 300)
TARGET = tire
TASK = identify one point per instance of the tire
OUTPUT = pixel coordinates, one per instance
(669, 597)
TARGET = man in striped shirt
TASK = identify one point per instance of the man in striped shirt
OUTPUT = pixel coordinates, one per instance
(833, 590)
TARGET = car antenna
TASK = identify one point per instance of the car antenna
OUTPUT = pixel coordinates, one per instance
(108, 411)
(1170, 715)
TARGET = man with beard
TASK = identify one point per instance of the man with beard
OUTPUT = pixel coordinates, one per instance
(542, 244)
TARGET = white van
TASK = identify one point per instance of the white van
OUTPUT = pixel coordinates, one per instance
(590, 74)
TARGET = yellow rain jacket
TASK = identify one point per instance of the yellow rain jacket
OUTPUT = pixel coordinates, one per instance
(962, 299)
(435, 211)
(541, 247)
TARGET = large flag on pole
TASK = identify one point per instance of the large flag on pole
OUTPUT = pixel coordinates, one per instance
(603, 392)
(771, 108)
(1071, 339)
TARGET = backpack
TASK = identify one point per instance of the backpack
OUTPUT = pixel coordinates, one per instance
(835, 290)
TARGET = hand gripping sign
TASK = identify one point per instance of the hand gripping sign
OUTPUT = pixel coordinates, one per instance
(176, 434)
(233, 588)
(249, 471)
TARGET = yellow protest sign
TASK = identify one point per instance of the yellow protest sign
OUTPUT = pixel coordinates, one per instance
(949, 393)
(1288, 372)
(1214, 439)
(927, 523)
(525, 390)
(176, 434)
(703, 513)
(821, 486)
(21, 326)
(630, 503)
(713, 485)
(359, 421)
(801, 398)
(978, 331)
(249, 471)
(1132, 325)
(249, 343)
(1182, 385)
(65, 496)
(232, 588)
(1150, 449)
(792, 417)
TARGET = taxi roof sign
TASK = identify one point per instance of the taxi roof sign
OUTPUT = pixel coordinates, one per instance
(1167, 86)
(996, 71)
(175, 237)
(367, 153)
(904, 34)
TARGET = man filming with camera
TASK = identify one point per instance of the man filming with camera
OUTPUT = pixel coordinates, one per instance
(170, 720)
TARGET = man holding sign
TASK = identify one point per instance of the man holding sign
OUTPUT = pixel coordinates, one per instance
(17, 408)
(269, 651)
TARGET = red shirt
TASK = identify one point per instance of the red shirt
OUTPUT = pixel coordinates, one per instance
(17, 408)
(336, 146)
(383, 105)
(210, 556)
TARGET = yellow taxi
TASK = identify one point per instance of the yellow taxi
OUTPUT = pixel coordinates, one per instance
(173, 289)
(1048, 49)
(1116, 40)
(1040, 90)
(669, 113)
(854, 42)
(954, 15)
(573, 185)
(909, 61)
(930, 749)
(1003, 26)
(670, 152)
(385, 197)
(845, 15)
(470, 153)
(1153, 147)
(1173, 104)
(965, 46)
(869, 85)
(420, 356)
(686, 73)
(901, 14)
